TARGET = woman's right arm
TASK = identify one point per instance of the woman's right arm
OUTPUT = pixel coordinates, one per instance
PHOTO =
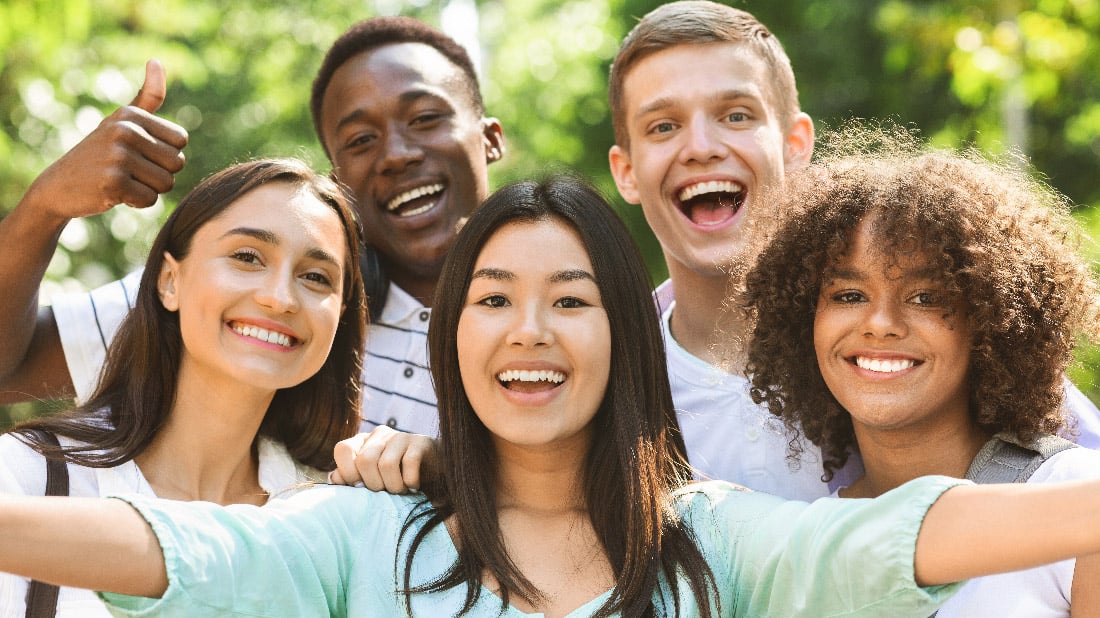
(81, 542)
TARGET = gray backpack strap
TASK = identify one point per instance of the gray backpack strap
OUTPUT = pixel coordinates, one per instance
(1006, 460)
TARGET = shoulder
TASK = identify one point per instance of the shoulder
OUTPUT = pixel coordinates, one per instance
(22, 469)
(281, 474)
(1071, 464)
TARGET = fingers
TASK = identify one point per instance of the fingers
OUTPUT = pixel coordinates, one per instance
(382, 460)
(151, 95)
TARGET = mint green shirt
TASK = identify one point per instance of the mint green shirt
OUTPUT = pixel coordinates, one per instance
(334, 551)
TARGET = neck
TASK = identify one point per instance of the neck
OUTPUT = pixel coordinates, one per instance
(891, 458)
(416, 284)
(701, 324)
(205, 451)
(544, 479)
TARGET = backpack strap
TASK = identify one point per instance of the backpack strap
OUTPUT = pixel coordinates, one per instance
(42, 597)
(1004, 459)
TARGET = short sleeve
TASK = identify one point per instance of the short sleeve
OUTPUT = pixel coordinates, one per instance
(87, 323)
(832, 557)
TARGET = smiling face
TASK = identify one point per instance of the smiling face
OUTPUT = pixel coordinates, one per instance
(705, 137)
(406, 138)
(891, 350)
(259, 293)
(534, 342)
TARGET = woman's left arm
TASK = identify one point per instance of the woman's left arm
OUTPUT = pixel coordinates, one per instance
(81, 542)
(980, 530)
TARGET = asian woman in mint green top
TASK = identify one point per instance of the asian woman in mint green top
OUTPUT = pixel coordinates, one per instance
(562, 492)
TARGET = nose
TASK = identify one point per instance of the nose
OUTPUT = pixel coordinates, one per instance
(279, 292)
(702, 141)
(530, 328)
(885, 318)
(400, 150)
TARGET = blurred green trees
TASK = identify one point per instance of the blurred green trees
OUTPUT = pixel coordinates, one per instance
(994, 73)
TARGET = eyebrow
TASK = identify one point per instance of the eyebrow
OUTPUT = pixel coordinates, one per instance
(560, 276)
(405, 99)
(663, 103)
(269, 237)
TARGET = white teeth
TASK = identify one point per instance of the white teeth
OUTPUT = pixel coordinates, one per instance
(884, 366)
(713, 186)
(262, 334)
(514, 375)
(412, 194)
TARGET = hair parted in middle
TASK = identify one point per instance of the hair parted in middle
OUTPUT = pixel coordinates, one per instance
(1003, 244)
(637, 456)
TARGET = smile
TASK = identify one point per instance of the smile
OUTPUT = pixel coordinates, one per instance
(262, 334)
(712, 202)
(516, 375)
(414, 201)
(884, 366)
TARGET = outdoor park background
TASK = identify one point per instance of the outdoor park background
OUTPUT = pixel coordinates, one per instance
(992, 73)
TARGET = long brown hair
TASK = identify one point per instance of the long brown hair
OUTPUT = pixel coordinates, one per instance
(139, 379)
(637, 455)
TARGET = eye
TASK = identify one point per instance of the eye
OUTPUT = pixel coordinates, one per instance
(248, 256)
(737, 117)
(662, 127)
(318, 277)
(848, 297)
(361, 139)
(495, 301)
(570, 302)
(927, 298)
(427, 118)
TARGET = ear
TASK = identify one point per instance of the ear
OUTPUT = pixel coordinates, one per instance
(800, 142)
(623, 172)
(166, 283)
(493, 136)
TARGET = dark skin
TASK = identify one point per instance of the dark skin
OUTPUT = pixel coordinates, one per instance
(130, 158)
(395, 118)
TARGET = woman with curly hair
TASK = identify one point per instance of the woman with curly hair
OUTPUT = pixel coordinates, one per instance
(919, 308)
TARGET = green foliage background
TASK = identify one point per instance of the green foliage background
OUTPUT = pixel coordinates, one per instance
(996, 74)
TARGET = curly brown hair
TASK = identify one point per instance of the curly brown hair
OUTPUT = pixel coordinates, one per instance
(1002, 242)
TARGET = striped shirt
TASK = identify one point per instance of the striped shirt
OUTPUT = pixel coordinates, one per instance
(397, 387)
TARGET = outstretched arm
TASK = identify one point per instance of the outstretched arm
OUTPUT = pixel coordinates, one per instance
(131, 158)
(985, 529)
(112, 548)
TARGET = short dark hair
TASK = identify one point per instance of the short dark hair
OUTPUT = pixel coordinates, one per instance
(308, 418)
(378, 31)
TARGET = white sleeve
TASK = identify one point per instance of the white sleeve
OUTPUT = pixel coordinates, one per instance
(1081, 408)
(22, 472)
(87, 323)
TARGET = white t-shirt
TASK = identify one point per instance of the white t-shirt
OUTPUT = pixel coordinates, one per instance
(397, 386)
(1041, 592)
(23, 472)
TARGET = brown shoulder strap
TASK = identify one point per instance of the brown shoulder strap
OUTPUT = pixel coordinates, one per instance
(42, 597)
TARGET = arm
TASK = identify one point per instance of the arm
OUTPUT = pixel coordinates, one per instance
(112, 548)
(385, 460)
(130, 158)
(984, 529)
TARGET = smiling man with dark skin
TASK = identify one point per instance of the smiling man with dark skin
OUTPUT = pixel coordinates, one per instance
(398, 109)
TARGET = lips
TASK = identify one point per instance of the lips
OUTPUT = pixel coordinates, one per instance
(711, 202)
(415, 201)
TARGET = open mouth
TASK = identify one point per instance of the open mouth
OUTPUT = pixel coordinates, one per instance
(879, 365)
(262, 334)
(530, 381)
(415, 201)
(712, 202)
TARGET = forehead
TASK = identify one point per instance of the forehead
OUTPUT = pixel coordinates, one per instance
(697, 71)
(871, 250)
(535, 246)
(392, 70)
(291, 212)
